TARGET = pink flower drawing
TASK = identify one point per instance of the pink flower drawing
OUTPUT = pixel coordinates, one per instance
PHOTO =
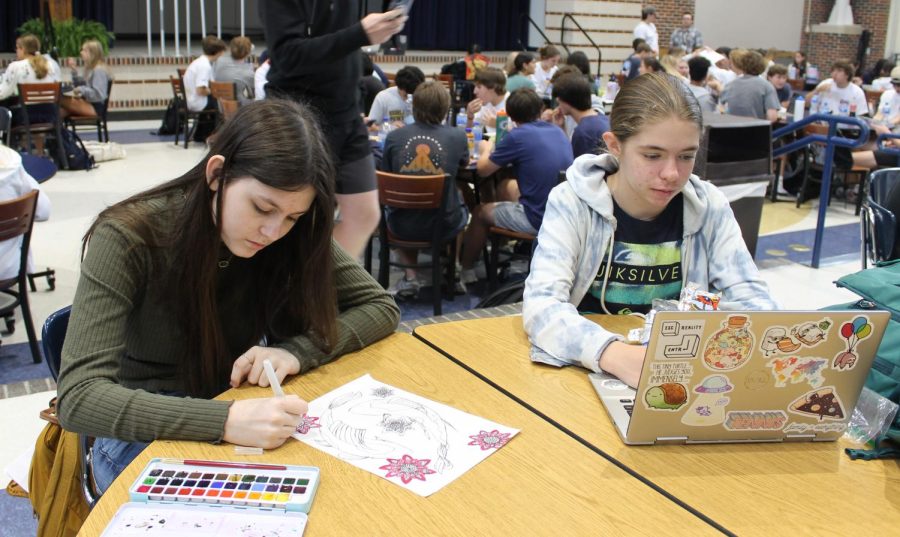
(407, 468)
(489, 440)
(307, 423)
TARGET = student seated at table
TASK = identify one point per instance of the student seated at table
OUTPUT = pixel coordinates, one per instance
(632, 65)
(394, 103)
(543, 71)
(748, 94)
(236, 67)
(490, 98)
(426, 147)
(537, 151)
(259, 76)
(91, 87)
(15, 182)
(580, 60)
(884, 80)
(30, 67)
(196, 84)
(369, 84)
(186, 288)
(630, 226)
(573, 96)
(698, 71)
(649, 64)
(522, 69)
(838, 94)
(777, 76)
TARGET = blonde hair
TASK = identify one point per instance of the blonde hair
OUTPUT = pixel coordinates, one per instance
(32, 47)
(670, 64)
(95, 54)
(649, 99)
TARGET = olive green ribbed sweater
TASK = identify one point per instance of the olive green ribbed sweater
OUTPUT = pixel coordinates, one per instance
(122, 344)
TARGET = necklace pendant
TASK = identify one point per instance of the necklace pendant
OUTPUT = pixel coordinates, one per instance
(224, 263)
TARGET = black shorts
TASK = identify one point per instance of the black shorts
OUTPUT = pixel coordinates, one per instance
(349, 143)
(887, 159)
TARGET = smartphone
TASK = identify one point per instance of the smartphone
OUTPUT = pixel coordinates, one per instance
(405, 5)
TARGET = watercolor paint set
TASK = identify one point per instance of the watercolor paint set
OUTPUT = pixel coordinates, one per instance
(215, 495)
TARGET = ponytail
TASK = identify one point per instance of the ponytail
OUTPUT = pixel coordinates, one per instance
(32, 47)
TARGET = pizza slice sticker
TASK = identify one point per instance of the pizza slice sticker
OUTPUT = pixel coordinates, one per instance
(823, 404)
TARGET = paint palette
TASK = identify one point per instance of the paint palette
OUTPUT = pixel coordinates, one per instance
(282, 487)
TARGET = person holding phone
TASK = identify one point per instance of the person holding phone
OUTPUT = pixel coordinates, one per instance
(315, 57)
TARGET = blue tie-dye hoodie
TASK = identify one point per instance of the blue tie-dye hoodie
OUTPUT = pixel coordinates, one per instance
(577, 232)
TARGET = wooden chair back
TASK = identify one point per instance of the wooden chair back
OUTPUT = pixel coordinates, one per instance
(797, 84)
(181, 71)
(223, 90)
(178, 90)
(17, 216)
(411, 191)
(5, 124)
(446, 81)
(228, 107)
(46, 93)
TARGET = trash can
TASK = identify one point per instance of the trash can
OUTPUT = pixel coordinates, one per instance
(736, 155)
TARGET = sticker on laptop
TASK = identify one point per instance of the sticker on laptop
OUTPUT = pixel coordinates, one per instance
(780, 340)
(853, 332)
(755, 420)
(661, 372)
(708, 407)
(803, 428)
(680, 340)
(758, 380)
(823, 404)
(730, 347)
(797, 369)
(666, 396)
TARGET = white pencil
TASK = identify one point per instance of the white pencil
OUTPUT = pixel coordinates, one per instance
(273, 379)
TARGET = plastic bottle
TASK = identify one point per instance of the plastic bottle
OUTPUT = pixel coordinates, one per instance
(886, 112)
(792, 71)
(477, 136)
(461, 119)
(612, 88)
(799, 105)
(599, 85)
(814, 104)
(384, 130)
(470, 140)
(853, 110)
(843, 108)
(502, 125)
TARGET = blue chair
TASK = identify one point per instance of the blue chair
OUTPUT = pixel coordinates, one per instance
(53, 335)
(880, 213)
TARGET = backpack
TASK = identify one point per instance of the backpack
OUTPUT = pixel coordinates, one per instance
(879, 288)
(76, 154)
(170, 120)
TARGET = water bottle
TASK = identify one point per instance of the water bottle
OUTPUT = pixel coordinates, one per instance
(477, 136)
(384, 130)
(843, 108)
(799, 105)
(461, 119)
(824, 107)
(612, 88)
(598, 85)
(814, 104)
(792, 71)
(886, 112)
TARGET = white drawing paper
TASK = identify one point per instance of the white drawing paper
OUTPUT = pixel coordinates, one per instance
(414, 442)
(167, 520)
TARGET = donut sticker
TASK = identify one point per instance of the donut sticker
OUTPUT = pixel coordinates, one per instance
(730, 347)
(666, 396)
(796, 369)
(852, 332)
(823, 404)
(708, 407)
(680, 340)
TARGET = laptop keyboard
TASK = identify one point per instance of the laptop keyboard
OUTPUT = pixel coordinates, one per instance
(629, 405)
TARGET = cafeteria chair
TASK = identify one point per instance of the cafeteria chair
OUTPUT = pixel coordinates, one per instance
(397, 191)
(45, 96)
(880, 216)
(17, 220)
(53, 335)
(225, 94)
(185, 115)
(99, 121)
(5, 125)
(860, 172)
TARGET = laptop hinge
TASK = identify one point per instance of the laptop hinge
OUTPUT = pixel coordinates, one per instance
(799, 437)
(671, 439)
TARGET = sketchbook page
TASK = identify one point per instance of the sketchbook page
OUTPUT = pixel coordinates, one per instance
(414, 442)
(19, 469)
(167, 519)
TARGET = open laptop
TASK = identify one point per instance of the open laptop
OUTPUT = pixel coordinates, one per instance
(749, 376)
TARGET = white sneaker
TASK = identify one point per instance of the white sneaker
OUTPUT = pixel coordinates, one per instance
(405, 288)
(468, 276)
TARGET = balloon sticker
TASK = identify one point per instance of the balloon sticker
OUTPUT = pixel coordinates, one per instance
(853, 332)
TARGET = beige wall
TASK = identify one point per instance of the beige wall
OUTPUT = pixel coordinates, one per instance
(755, 24)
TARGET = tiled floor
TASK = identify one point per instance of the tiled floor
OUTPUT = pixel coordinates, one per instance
(78, 196)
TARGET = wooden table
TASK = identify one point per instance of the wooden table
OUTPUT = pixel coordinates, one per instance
(542, 482)
(750, 489)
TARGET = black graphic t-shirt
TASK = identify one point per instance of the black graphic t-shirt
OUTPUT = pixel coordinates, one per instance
(646, 262)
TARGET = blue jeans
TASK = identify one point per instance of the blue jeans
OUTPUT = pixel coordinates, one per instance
(110, 457)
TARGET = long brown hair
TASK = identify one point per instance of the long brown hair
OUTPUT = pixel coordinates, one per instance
(32, 47)
(279, 143)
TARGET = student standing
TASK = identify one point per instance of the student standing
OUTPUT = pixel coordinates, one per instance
(186, 288)
(646, 29)
(631, 226)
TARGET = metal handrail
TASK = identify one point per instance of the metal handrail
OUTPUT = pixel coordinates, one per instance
(536, 27)
(562, 32)
(830, 140)
(887, 136)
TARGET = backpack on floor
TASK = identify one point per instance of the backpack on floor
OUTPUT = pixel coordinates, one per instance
(879, 288)
(76, 154)
(170, 120)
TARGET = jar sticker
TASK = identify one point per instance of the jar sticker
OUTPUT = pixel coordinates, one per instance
(801, 428)
(708, 407)
(758, 380)
(666, 396)
(796, 369)
(853, 332)
(823, 404)
(755, 420)
(680, 340)
(730, 347)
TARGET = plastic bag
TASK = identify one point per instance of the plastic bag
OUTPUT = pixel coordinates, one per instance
(871, 418)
